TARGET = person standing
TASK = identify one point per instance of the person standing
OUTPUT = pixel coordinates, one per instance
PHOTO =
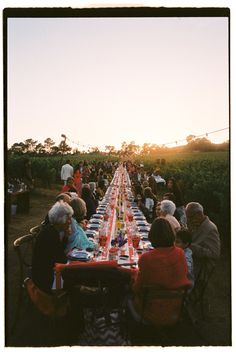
(66, 171)
(23, 199)
(27, 174)
(173, 187)
(78, 178)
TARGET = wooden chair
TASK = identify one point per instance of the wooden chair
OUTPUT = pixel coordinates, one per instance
(96, 294)
(107, 284)
(35, 230)
(159, 313)
(169, 303)
(23, 246)
(196, 298)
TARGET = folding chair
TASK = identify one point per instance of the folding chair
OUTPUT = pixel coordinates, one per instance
(96, 297)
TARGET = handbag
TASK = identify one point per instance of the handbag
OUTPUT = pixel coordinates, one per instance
(52, 305)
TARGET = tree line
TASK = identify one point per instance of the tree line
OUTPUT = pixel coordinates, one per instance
(49, 148)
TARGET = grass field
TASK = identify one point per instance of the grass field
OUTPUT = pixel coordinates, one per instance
(180, 156)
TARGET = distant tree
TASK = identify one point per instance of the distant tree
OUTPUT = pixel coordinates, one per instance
(145, 149)
(39, 149)
(17, 148)
(48, 144)
(110, 149)
(76, 151)
(64, 148)
(154, 149)
(190, 138)
(200, 144)
(128, 149)
(55, 150)
(30, 145)
(93, 150)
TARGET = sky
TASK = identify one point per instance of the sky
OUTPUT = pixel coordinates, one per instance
(102, 81)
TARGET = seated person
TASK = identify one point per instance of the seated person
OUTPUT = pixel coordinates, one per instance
(206, 243)
(69, 186)
(171, 196)
(91, 202)
(173, 187)
(50, 244)
(167, 209)
(158, 210)
(183, 240)
(78, 238)
(140, 203)
(99, 192)
(66, 197)
(150, 202)
(164, 266)
(159, 180)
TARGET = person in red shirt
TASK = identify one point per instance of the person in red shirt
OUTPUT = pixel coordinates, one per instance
(164, 266)
(78, 179)
(69, 187)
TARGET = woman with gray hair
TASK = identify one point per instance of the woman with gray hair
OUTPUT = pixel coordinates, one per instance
(78, 238)
(50, 245)
(167, 209)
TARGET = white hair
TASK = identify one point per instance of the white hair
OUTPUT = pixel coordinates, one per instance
(194, 208)
(167, 206)
(59, 213)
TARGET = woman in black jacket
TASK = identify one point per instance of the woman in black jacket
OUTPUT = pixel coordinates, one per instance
(50, 245)
(91, 202)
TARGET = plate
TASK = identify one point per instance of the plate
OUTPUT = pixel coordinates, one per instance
(91, 233)
(77, 254)
(95, 221)
(97, 216)
(100, 211)
(141, 223)
(93, 226)
(143, 229)
(139, 217)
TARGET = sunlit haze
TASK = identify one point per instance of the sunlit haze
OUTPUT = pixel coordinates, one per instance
(102, 81)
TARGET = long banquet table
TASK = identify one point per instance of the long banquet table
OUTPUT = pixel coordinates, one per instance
(117, 217)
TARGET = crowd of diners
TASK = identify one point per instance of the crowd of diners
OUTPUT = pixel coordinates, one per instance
(182, 236)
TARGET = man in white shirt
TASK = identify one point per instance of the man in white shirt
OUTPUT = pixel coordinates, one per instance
(66, 171)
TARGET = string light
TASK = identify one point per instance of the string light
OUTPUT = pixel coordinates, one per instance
(194, 137)
(163, 144)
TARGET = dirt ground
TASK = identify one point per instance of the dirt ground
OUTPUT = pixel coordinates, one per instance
(33, 330)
